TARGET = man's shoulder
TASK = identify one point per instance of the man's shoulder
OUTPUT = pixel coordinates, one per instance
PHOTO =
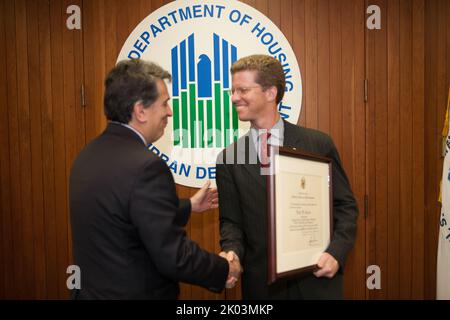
(305, 132)
(311, 139)
(118, 151)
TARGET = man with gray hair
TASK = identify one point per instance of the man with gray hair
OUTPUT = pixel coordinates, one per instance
(127, 221)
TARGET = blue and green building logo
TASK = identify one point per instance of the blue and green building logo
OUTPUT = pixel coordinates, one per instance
(203, 115)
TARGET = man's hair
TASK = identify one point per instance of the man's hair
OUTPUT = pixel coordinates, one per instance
(269, 72)
(131, 81)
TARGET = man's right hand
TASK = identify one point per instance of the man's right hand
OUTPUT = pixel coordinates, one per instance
(235, 268)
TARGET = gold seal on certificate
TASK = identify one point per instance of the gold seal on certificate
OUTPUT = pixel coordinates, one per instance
(299, 212)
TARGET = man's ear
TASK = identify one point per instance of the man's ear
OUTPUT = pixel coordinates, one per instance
(139, 112)
(271, 94)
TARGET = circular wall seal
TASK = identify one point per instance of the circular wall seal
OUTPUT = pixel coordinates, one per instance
(197, 42)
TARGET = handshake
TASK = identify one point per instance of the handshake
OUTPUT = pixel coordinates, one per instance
(235, 268)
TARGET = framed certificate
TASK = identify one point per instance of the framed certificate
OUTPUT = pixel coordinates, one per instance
(300, 218)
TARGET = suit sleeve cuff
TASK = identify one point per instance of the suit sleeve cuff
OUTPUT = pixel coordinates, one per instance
(221, 271)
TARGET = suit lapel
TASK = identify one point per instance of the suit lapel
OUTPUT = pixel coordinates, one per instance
(255, 171)
(290, 139)
(248, 148)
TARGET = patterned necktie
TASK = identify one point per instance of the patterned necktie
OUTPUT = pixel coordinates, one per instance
(264, 149)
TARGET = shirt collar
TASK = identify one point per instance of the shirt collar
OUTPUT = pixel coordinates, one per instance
(276, 133)
(132, 129)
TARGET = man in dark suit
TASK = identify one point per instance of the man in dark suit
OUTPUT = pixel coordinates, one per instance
(258, 85)
(127, 221)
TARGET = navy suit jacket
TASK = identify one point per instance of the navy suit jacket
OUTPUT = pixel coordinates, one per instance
(127, 224)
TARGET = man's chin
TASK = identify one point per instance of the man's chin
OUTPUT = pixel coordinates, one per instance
(158, 136)
(243, 118)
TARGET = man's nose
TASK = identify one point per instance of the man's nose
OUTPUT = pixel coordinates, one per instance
(235, 97)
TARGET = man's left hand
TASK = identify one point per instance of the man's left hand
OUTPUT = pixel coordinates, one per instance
(205, 199)
(327, 266)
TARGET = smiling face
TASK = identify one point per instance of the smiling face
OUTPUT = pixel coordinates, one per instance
(158, 113)
(252, 102)
(152, 121)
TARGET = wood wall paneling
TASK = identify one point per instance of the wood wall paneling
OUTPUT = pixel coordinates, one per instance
(393, 151)
(354, 127)
(44, 132)
(55, 195)
(299, 46)
(378, 101)
(390, 146)
(5, 190)
(406, 151)
(432, 145)
(437, 82)
(418, 126)
(74, 132)
(396, 73)
(36, 161)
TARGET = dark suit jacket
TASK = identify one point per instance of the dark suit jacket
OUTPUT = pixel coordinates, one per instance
(243, 217)
(127, 224)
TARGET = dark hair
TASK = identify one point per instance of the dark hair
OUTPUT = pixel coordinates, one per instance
(131, 81)
(269, 72)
